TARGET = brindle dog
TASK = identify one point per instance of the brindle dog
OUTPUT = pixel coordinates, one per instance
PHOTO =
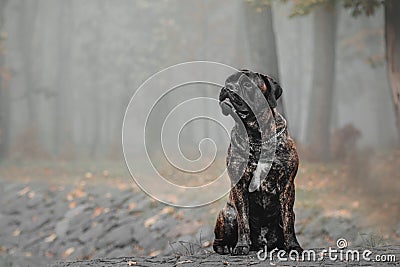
(259, 211)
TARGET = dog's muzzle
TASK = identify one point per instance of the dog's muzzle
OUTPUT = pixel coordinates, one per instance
(226, 107)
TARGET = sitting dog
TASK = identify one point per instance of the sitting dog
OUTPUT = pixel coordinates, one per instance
(259, 211)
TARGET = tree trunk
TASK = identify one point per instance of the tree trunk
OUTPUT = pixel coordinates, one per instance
(392, 36)
(261, 37)
(26, 36)
(62, 125)
(319, 120)
(94, 58)
(4, 90)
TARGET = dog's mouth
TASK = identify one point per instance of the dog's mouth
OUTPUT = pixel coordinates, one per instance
(233, 105)
(236, 109)
(227, 108)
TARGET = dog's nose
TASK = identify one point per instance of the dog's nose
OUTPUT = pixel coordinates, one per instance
(223, 94)
(226, 107)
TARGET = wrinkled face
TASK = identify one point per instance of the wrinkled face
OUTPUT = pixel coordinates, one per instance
(245, 92)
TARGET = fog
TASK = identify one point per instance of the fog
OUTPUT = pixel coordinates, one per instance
(89, 88)
(74, 66)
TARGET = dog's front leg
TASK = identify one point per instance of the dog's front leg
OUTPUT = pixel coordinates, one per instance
(239, 197)
(286, 200)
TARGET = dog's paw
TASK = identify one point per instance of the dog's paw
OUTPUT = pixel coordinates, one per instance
(220, 247)
(241, 249)
(223, 250)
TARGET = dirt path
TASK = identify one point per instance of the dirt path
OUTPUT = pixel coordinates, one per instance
(80, 211)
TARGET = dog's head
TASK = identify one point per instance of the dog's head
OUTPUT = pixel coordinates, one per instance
(242, 95)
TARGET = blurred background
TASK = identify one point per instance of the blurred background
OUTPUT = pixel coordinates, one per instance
(69, 68)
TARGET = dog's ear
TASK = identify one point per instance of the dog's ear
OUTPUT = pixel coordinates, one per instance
(273, 92)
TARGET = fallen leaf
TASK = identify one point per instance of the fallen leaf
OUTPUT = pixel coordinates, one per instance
(68, 252)
(355, 204)
(172, 198)
(131, 206)
(206, 244)
(150, 221)
(122, 186)
(16, 232)
(178, 215)
(72, 205)
(154, 253)
(78, 193)
(50, 238)
(167, 210)
(23, 191)
(70, 197)
(96, 212)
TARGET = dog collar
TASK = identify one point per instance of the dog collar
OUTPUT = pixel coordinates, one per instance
(273, 137)
(279, 133)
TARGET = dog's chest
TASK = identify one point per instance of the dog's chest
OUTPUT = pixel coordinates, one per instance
(273, 184)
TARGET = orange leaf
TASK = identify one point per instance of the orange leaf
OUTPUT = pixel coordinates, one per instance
(131, 206)
(96, 212)
(70, 197)
(24, 191)
(167, 210)
(68, 252)
(16, 232)
(150, 221)
(50, 238)
(72, 205)
(154, 253)
(78, 193)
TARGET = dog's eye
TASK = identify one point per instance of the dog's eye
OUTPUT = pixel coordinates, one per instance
(247, 84)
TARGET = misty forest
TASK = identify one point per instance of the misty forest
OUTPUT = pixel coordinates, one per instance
(68, 70)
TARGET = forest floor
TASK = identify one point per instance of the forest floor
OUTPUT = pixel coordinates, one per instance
(64, 211)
